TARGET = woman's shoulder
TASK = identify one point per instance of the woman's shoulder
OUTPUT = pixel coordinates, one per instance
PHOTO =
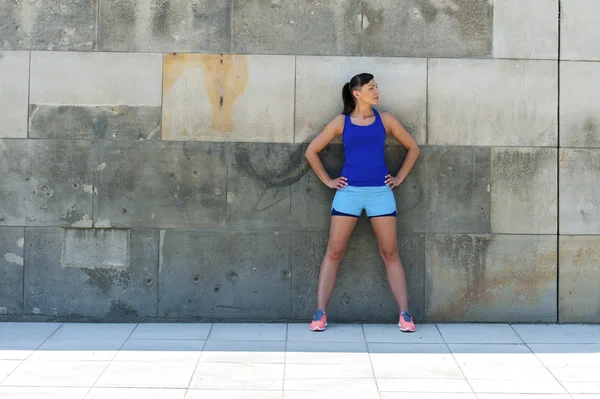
(387, 116)
(336, 125)
(388, 119)
(339, 120)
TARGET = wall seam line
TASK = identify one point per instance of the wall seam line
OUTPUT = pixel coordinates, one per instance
(558, 168)
(96, 47)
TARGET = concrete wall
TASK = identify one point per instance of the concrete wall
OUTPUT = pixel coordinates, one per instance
(151, 157)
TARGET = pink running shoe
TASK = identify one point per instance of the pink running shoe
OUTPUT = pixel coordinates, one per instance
(319, 322)
(406, 323)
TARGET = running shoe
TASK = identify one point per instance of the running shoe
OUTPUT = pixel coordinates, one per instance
(406, 323)
(319, 321)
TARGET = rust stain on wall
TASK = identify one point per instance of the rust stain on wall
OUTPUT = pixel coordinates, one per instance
(562, 160)
(225, 79)
(485, 287)
(525, 287)
(175, 65)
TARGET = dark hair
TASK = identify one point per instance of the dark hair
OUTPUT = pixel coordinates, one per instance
(354, 84)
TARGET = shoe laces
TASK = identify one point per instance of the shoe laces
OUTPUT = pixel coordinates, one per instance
(407, 316)
(318, 315)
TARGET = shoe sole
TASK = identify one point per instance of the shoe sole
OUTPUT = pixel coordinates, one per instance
(317, 329)
(407, 329)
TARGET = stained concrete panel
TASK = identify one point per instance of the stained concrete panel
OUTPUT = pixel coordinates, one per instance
(362, 292)
(456, 190)
(579, 30)
(311, 199)
(579, 297)
(578, 191)
(217, 97)
(165, 26)
(526, 29)
(259, 177)
(46, 183)
(412, 202)
(156, 184)
(499, 278)
(100, 122)
(319, 80)
(48, 25)
(11, 270)
(225, 275)
(298, 27)
(524, 190)
(96, 292)
(84, 78)
(14, 89)
(492, 102)
(96, 248)
(427, 28)
(579, 104)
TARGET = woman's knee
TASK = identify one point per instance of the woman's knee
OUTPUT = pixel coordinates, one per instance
(335, 253)
(389, 254)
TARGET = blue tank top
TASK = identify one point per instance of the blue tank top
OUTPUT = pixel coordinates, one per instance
(364, 151)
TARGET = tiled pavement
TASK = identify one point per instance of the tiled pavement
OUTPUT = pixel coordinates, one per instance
(192, 361)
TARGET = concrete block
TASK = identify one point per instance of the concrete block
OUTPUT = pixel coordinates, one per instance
(524, 190)
(48, 25)
(311, 199)
(46, 183)
(165, 26)
(526, 29)
(411, 202)
(300, 27)
(579, 30)
(319, 82)
(427, 28)
(579, 104)
(228, 98)
(362, 292)
(161, 185)
(11, 270)
(94, 291)
(70, 78)
(499, 278)
(14, 89)
(225, 275)
(578, 296)
(96, 249)
(578, 191)
(259, 177)
(492, 102)
(455, 192)
(101, 122)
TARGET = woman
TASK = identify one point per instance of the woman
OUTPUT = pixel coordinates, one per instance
(365, 184)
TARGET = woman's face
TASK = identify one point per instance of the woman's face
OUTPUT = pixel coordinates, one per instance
(369, 93)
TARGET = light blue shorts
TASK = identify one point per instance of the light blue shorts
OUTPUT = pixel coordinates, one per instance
(377, 201)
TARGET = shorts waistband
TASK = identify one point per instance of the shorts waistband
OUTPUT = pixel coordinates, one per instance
(366, 189)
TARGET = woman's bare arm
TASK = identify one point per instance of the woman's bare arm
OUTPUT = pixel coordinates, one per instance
(396, 129)
(333, 129)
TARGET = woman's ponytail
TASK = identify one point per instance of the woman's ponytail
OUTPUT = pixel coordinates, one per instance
(348, 98)
(355, 83)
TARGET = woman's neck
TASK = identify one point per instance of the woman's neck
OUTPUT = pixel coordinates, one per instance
(362, 111)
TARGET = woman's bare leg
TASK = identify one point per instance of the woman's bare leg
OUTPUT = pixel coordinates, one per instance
(385, 231)
(339, 233)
